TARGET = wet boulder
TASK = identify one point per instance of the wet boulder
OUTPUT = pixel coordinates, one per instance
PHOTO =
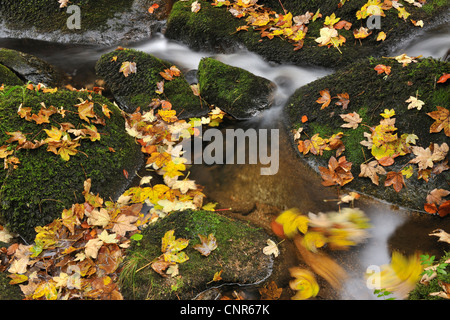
(234, 90)
(214, 28)
(238, 255)
(380, 124)
(30, 68)
(138, 88)
(49, 151)
(82, 21)
(7, 77)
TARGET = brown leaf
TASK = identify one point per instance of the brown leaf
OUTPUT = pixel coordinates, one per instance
(443, 236)
(344, 100)
(371, 170)
(436, 195)
(338, 172)
(442, 117)
(270, 291)
(325, 98)
(395, 179)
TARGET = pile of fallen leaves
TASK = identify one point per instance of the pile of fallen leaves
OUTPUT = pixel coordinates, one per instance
(78, 256)
(385, 144)
(63, 140)
(272, 24)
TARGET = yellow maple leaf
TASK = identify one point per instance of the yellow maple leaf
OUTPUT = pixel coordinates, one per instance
(86, 110)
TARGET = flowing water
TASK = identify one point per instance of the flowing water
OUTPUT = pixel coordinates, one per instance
(256, 197)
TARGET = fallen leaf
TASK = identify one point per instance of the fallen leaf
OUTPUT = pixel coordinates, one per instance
(353, 120)
(371, 170)
(395, 179)
(443, 236)
(127, 68)
(381, 36)
(153, 7)
(325, 98)
(271, 248)
(443, 78)
(415, 103)
(380, 68)
(436, 195)
(195, 6)
(344, 100)
(207, 244)
(270, 291)
(442, 117)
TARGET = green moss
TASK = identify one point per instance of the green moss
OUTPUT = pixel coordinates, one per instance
(214, 29)
(235, 90)
(46, 16)
(43, 184)
(7, 77)
(238, 245)
(370, 94)
(138, 89)
(7, 291)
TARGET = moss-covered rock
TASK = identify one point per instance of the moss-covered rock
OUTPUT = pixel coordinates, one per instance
(239, 254)
(7, 291)
(31, 68)
(138, 89)
(7, 77)
(214, 29)
(100, 21)
(422, 290)
(370, 94)
(43, 184)
(234, 90)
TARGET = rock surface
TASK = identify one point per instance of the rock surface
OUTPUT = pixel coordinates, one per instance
(138, 89)
(370, 94)
(238, 254)
(43, 184)
(214, 29)
(31, 68)
(236, 91)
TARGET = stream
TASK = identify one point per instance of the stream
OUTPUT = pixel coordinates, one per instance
(256, 197)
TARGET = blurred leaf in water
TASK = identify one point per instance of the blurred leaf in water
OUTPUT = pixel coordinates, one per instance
(304, 283)
(401, 275)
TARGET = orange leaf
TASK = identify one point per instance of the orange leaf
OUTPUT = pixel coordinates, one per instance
(153, 7)
(325, 98)
(444, 209)
(442, 117)
(444, 78)
(430, 208)
(304, 119)
(382, 68)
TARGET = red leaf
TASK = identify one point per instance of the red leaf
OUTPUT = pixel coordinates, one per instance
(277, 228)
(125, 173)
(444, 78)
(153, 7)
(430, 208)
(444, 209)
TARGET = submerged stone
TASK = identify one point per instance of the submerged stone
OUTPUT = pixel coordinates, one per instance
(238, 255)
(43, 183)
(370, 95)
